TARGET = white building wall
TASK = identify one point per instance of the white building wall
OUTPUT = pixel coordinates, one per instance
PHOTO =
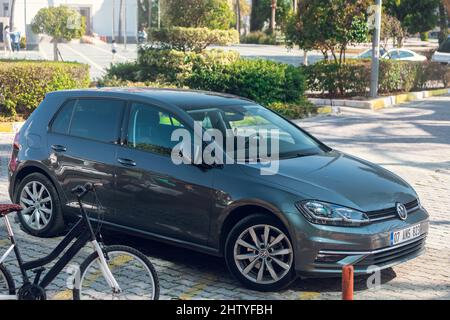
(101, 13)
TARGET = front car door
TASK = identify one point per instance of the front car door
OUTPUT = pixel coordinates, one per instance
(82, 141)
(160, 197)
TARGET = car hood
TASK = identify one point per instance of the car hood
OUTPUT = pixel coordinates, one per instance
(339, 178)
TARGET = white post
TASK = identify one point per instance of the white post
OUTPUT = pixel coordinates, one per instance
(125, 33)
(376, 51)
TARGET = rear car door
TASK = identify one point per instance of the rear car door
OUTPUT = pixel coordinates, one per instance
(82, 140)
(160, 197)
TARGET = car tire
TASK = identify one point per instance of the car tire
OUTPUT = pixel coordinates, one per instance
(278, 270)
(50, 221)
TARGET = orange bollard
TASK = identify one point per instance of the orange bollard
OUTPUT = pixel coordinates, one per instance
(347, 282)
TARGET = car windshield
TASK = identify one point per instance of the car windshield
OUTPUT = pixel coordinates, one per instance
(250, 122)
(368, 54)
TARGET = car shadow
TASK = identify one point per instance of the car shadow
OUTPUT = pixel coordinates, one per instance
(211, 265)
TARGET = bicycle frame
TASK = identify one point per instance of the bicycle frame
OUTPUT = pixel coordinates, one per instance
(82, 233)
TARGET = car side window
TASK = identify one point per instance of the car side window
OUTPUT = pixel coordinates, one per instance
(405, 54)
(97, 119)
(150, 129)
(61, 123)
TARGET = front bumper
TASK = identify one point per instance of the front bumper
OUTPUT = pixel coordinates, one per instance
(322, 251)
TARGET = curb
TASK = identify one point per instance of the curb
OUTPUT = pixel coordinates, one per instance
(380, 103)
(10, 127)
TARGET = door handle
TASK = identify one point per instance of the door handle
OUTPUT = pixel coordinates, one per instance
(127, 162)
(59, 148)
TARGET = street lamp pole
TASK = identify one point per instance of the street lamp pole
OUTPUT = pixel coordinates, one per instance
(376, 51)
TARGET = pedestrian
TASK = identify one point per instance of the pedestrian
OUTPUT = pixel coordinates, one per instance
(7, 41)
(15, 38)
(142, 36)
(114, 49)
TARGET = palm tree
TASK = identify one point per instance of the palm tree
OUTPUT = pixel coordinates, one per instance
(121, 10)
(273, 16)
(238, 16)
(11, 17)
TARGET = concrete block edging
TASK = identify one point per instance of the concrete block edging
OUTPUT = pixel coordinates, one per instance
(380, 103)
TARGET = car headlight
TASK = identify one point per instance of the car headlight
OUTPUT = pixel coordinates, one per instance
(330, 214)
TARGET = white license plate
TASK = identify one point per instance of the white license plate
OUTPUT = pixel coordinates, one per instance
(404, 235)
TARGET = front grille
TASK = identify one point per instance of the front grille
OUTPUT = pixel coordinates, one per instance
(391, 213)
(385, 257)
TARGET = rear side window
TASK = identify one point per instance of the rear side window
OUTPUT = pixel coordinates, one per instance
(61, 124)
(95, 119)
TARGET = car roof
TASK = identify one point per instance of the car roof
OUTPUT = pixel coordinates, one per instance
(184, 99)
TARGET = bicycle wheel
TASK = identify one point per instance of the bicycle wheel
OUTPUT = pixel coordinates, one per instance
(132, 270)
(7, 287)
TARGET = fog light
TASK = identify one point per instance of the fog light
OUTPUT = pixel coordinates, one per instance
(329, 258)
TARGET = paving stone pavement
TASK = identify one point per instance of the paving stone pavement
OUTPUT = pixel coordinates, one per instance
(412, 140)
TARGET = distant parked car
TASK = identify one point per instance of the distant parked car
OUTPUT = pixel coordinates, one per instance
(368, 54)
(394, 54)
(403, 55)
(442, 55)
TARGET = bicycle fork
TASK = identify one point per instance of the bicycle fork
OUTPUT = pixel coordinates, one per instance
(106, 271)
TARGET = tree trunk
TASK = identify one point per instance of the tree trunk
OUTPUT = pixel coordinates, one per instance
(11, 17)
(295, 5)
(238, 16)
(121, 20)
(55, 50)
(447, 6)
(150, 8)
(273, 16)
(443, 23)
(253, 19)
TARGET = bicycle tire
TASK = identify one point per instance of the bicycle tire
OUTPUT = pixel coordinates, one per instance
(6, 275)
(77, 294)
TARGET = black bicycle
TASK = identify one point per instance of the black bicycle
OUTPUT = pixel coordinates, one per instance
(113, 272)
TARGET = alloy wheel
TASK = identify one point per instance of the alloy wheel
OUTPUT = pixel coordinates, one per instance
(38, 205)
(263, 254)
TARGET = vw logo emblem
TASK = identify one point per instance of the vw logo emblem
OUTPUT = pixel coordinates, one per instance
(402, 211)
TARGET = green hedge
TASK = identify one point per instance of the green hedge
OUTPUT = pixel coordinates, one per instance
(192, 39)
(260, 80)
(174, 66)
(259, 37)
(353, 78)
(23, 84)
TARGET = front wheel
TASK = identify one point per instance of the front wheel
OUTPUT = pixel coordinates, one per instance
(132, 270)
(259, 253)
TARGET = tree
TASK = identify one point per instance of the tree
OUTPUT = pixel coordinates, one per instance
(121, 11)
(61, 23)
(11, 17)
(273, 15)
(391, 28)
(212, 14)
(328, 26)
(264, 10)
(443, 23)
(416, 16)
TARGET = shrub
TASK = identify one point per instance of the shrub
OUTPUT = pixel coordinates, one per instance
(353, 78)
(23, 84)
(125, 71)
(259, 37)
(260, 80)
(294, 110)
(192, 39)
(171, 66)
(335, 79)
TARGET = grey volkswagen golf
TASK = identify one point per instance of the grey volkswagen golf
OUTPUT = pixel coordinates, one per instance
(320, 210)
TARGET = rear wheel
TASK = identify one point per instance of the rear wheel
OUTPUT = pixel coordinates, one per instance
(7, 287)
(42, 213)
(259, 253)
